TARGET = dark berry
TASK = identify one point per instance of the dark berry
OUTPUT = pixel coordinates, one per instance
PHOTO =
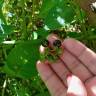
(29, 4)
(57, 43)
(39, 23)
(45, 43)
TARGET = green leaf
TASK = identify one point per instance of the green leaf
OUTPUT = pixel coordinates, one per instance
(1, 3)
(47, 6)
(2, 17)
(56, 13)
(7, 70)
(74, 34)
(1, 12)
(1, 36)
(7, 29)
(22, 59)
(43, 33)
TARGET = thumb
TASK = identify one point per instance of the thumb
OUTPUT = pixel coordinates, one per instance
(75, 86)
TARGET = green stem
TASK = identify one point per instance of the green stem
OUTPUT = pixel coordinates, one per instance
(24, 29)
(4, 87)
(5, 54)
(33, 11)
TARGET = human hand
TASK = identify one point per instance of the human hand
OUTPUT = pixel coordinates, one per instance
(76, 59)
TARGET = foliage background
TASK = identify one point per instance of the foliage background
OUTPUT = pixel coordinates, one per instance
(23, 26)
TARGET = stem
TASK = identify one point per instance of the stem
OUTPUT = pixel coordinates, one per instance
(4, 86)
(33, 11)
(23, 23)
(5, 54)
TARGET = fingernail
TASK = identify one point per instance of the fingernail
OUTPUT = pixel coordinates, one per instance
(42, 49)
(38, 62)
(69, 77)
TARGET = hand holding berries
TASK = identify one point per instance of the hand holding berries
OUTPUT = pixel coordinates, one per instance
(51, 53)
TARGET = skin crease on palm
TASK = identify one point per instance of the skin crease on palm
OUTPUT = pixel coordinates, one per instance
(73, 74)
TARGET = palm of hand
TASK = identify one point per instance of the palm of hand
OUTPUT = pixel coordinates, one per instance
(76, 59)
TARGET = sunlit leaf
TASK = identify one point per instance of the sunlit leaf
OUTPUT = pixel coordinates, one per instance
(1, 3)
(56, 13)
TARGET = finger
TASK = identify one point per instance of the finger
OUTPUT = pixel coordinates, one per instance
(91, 86)
(84, 54)
(76, 67)
(60, 70)
(53, 83)
(51, 38)
(75, 87)
(59, 67)
(70, 63)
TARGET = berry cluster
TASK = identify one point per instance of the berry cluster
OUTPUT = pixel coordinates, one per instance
(51, 53)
